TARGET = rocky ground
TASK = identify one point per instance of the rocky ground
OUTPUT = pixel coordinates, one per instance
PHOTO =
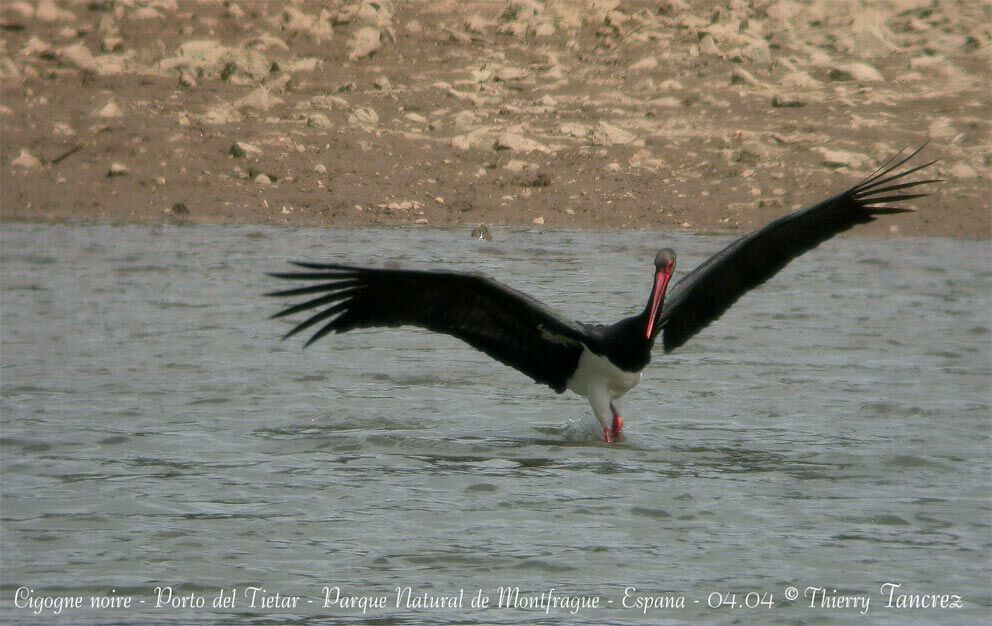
(664, 114)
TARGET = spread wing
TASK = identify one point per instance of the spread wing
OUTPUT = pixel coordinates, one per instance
(506, 324)
(710, 289)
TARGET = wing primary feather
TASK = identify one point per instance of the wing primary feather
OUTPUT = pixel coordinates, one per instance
(318, 317)
(882, 171)
(888, 210)
(895, 198)
(883, 166)
(908, 185)
(326, 328)
(309, 304)
(331, 267)
(321, 287)
(861, 190)
(311, 275)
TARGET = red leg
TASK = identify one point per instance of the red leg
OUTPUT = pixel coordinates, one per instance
(607, 435)
(617, 425)
(617, 422)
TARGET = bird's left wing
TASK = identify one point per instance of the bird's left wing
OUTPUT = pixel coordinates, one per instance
(710, 289)
(506, 324)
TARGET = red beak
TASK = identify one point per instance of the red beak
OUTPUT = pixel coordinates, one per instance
(657, 298)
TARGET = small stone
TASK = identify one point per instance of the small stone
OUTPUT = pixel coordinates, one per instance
(364, 117)
(511, 74)
(647, 63)
(112, 44)
(309, 64)
(319, 120)
(240, 150)
(260, 99)
(364, 43)
(800, 80)
(788, 100)
(538, 220)
(573, 129)
(36, 46)
(178, 208)
(544, 30)
(416, 118)
(295, 20)
(855, 71)
(145, 13)
(221, 114)
(519, 143)
(421, 220)
(382, 84)
(320, 168)
(464, 120)
(78, 56)
(841, 158)
(612, 167)
(962, 171)
(741, 76)
(606, 134)
(476, 24)
(538, 180)
(187, 80)
(47, 11)
(515, 29)
(941, 129)
(117, 169)
(263, 179)
(758, 51)
(616, 18)
(482, 232)
(477, 139)
(26, 160)
(707, 45)
(63, 129)
(23, 10)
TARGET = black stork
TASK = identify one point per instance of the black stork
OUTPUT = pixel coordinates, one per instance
(599, 362)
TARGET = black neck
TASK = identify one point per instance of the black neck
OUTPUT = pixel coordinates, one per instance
(625, 343)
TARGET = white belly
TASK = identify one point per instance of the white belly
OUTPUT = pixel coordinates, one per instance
(595, 374)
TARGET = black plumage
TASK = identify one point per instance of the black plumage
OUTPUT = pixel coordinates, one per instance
(506, 324)
(519, 331)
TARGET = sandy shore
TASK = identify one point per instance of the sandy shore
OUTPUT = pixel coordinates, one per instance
(670, 115)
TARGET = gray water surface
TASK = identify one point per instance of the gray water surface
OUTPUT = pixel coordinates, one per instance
(831, 430)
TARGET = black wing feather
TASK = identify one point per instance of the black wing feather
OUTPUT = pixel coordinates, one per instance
(710, 289)
(506, 324)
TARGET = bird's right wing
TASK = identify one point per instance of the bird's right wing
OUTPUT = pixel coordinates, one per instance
(506, 324)
(710, 289)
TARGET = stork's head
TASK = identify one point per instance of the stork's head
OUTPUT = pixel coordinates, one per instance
(664, 266)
